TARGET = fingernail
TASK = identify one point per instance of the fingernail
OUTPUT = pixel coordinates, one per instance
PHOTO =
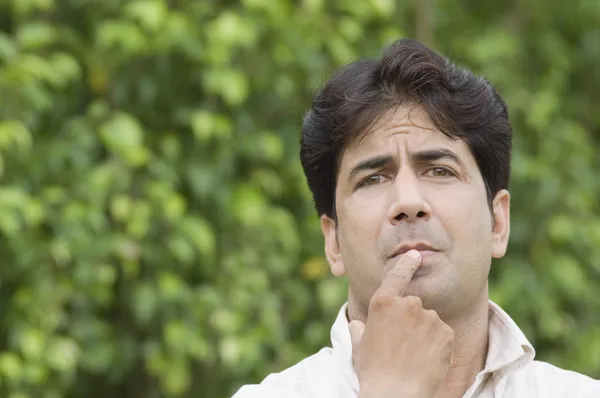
(414, 254)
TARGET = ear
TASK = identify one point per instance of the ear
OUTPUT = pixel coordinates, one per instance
(332, 247)
(501, 232)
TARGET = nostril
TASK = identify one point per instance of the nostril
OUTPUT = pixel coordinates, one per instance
(405, 216)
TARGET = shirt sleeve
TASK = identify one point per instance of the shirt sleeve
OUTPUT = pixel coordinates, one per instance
(585, 387)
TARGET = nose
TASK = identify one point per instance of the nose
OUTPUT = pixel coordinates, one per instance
(408, 203)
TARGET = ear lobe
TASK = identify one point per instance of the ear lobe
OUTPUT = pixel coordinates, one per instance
(501, 232)
(332, 247)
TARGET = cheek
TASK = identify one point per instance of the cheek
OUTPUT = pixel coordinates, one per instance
(466, 218)
(361, 222)
(368, 208)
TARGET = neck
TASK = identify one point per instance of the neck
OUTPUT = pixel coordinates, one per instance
(470, 345)
(470, 352)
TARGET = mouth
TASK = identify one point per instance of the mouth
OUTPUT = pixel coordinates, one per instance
(422, 247)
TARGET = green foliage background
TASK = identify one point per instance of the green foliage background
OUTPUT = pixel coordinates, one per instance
(157, 237)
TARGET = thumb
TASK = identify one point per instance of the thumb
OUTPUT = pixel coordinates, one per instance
(357, 329)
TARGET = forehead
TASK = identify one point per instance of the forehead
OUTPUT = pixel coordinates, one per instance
(402, 129)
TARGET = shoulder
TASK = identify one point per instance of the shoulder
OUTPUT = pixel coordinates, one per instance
(313, 377)
(553, 381)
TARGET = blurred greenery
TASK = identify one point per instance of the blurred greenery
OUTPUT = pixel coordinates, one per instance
(157, 237)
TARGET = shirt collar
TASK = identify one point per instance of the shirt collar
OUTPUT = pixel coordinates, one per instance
(508, 348)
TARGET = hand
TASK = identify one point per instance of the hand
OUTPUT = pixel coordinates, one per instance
(403, 350)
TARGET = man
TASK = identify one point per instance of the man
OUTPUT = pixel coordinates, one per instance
(408, 160)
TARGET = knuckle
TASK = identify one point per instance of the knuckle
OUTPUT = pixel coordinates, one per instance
(432, 315)
(413, 302)
(379, 303)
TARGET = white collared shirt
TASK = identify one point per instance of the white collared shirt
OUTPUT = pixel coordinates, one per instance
(510, 370)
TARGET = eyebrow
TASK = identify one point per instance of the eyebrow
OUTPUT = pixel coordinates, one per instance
(421, 157)
(431, 155)
(373, 163)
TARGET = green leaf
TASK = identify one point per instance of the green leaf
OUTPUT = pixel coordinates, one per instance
(11, 366)
(232, 85)
(123, 135)
(229, 28)
(568, 277)
(248, 205)
(226, 321)
(15, 135)
(32, 343)
(34, 35)
(121, 207)
(170, 286)
(201, 234)
(384, 8)
(203, 125)
(272, 147)
(62, 355)
(230, 350)
(177, 377)
(181, 249)
(174, 207)
(25, 7)
(175, 336)
(8, 48)
(145, 301)
(121, 35)
(151, 14)
(66, 69)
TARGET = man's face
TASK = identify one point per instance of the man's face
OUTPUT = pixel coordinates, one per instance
(406, 184)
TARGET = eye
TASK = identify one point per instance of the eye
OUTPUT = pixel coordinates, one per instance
(372, 180)
(440, 172)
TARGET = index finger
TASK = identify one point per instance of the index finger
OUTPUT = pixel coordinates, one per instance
(397, 278)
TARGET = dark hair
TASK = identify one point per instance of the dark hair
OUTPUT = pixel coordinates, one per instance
(460, 104)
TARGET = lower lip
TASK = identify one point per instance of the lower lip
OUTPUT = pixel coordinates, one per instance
(424, 268)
